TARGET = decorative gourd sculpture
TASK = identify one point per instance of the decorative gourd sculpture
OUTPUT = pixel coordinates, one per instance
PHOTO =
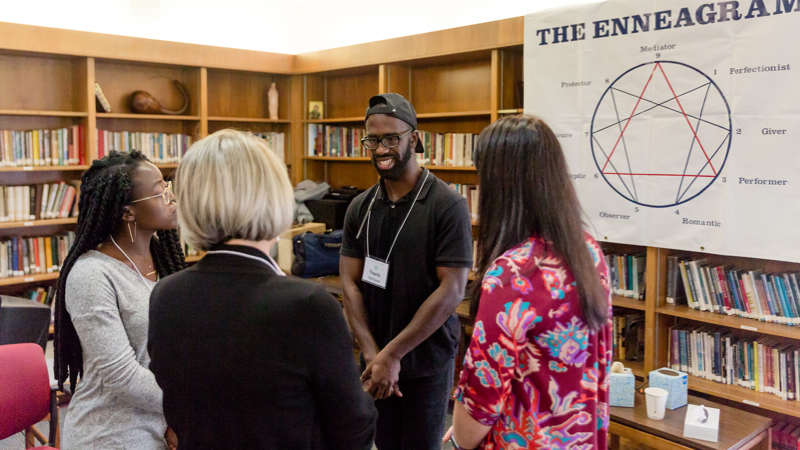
(144, 103)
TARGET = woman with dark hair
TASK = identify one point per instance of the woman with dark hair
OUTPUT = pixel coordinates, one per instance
(125, 241)
(535, 371)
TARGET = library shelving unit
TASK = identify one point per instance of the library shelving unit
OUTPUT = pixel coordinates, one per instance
(660, 316)
(40, 92)
(48, 82)
(460, 92)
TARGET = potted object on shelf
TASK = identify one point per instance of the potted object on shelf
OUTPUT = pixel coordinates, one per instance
(272, 96)
(145, 103)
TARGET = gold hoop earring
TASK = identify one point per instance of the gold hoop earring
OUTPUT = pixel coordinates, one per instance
(132, 233)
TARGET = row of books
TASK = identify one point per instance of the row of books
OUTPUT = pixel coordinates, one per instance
(447, 149)
(441, 149)
(627, 274)
(276, 142)
(628, 332)
(38, 201)
(160, 148)
(59, 147)
(470, 192)
(328, 140)
(728, 357)
(785, 436)
(746, 293)
(42, 295)
(21, 256)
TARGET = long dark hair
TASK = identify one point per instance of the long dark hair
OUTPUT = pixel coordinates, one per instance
(526, 191)
(106, 188)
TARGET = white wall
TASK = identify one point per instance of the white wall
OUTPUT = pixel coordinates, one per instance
(287, 26)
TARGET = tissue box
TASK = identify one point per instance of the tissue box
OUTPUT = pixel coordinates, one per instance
(674, 382)
(704, 431)
(621, 388)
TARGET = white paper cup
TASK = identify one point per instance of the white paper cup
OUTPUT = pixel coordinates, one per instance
(656, 402)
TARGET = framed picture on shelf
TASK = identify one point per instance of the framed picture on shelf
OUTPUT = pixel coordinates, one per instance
(315, 111)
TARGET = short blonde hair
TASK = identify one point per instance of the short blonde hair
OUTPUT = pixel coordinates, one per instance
(230, 185)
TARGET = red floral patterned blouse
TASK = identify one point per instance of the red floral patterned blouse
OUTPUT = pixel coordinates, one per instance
(533, 370)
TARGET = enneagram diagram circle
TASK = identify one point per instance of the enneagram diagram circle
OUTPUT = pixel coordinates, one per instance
(661, 133)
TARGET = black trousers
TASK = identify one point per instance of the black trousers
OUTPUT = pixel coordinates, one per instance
(416, 420)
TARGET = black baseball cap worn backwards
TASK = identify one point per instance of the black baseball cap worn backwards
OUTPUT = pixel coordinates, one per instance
(398, 107)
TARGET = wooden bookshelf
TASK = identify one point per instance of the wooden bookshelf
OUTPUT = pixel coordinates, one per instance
(745, 396)
(338, 120)
(144, 116)
(338, 158)
(39, 223)
(43, 168)
(735, 322)
(11, 281)
(627, 302)
(247, 119)
(448, 115)
(23, 112)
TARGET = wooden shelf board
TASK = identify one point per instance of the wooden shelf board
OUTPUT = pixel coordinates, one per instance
(447, 115)
(42, 168)
(637, 367)
(741, 323)
(337, 120)
(25, 112)
(510, 111)
(744, 395)
(455, 168)
(167, 166)
(338, 158)
(38, 223)
(626, 302)
(28, 279)
(144, 116)
(247, 119)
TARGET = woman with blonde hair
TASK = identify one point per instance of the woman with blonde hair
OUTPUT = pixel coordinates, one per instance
(247, 357)
(535, 373)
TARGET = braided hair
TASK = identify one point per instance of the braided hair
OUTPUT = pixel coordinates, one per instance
(106, 189)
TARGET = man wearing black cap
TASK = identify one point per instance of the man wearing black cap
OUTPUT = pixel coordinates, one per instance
(406, 253)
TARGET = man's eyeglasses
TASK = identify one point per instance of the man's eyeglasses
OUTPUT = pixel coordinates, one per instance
(371, 143)
(164, 195)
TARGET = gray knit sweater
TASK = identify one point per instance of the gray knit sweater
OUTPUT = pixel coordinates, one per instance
(117, 404)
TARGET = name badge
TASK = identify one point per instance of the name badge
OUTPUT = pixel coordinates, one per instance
(375, 272)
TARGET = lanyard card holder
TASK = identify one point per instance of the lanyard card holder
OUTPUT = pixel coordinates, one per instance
(376, 272)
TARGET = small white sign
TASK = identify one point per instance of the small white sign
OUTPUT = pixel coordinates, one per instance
(375, 272)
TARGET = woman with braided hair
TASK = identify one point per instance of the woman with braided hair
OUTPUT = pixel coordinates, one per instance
(125, 241)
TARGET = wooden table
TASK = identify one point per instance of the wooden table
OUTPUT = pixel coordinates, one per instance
(738, 430)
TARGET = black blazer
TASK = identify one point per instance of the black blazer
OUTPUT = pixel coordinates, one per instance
(250, 359)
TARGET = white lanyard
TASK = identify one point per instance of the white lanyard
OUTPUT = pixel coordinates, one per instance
(369, 214)
(269, 261)
(133, 264)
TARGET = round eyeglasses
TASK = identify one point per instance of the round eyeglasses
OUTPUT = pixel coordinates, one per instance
(371, 143)
(164, 195)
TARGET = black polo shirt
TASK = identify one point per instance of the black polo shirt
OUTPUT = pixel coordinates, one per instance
(438, 233)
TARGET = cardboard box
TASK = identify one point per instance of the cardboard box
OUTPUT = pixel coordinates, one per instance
(285, 251)
(621, 387)
(674, 382)
(695, 429)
